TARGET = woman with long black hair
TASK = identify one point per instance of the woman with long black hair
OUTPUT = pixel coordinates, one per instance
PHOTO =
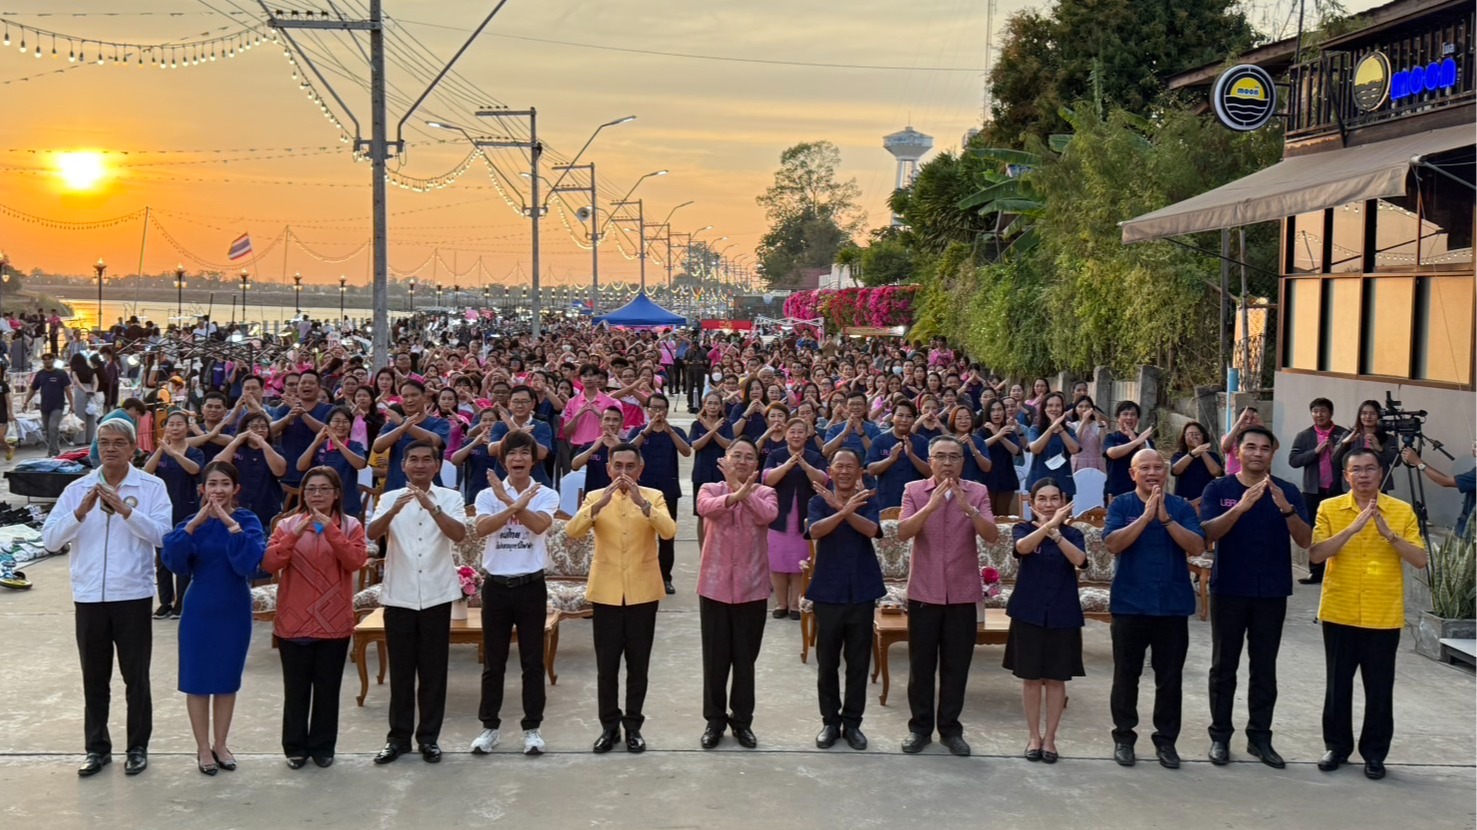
(1367, 433)
(1002, 436)
(178, 465)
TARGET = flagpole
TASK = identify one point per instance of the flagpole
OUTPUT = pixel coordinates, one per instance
(141, 245)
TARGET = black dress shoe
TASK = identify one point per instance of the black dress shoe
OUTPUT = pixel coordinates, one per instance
(608, 739)
(94, 763)
(138, 761)
(956, 745)
(1331, 761)
(1220, 754)
(854, 738)
(1374, 770)
(162, 613)
(389, 754)
(826, 738)
(430, 753)
(1266, 753)
(1033, 754)
(1123, 755)
(634, 741)
(711, 736)
(670, 589)
(325, 761)
(779, 613)
(746, 737)
(1310, 580)
(297, 762)
(228, 766)
(1168, 758)
(1049, 757)
(914, 743)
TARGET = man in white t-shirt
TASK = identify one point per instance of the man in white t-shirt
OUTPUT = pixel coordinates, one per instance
(514, 516)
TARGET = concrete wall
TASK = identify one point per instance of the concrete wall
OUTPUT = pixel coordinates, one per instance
(1452, 420)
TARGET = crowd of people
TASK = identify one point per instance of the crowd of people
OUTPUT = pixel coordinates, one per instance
(215, 473)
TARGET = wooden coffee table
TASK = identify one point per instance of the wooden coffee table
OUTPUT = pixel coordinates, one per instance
(893, 628)
(371, 629)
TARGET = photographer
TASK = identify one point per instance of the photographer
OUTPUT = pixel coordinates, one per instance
(1465, 483)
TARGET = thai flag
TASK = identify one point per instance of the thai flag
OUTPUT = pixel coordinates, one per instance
(240, 248)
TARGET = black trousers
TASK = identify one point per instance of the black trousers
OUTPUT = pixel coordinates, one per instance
(103, 627)
(678, 375)
(171, 585)
(1312, 500)
(1256, 623)
(419, 645)
(1371, 651)
(940, 638)
(622, 631)
(666, 549)
(695, 373)
(312, 674)
(843, 630)
(504, 610)
(1169, 638)
(732, 634)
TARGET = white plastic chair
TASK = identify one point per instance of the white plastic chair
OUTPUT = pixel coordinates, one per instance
(570, 485)
(1090, 484)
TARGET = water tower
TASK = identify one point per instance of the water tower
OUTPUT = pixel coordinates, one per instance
(907, 146)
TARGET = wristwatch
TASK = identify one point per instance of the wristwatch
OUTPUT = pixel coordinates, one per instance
(1422, 467)
(1288, 513)
(436, 510)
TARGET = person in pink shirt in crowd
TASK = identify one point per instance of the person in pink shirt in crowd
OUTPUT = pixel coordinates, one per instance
(1249, 417)
(733, 589)
(581, 416)
(941, 354)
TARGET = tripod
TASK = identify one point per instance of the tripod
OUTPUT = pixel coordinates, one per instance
(1417, 440)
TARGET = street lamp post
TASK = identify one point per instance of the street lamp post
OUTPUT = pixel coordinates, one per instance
(245, 284)
(297, 294)
(438, 295)
(100, 267)
(486, 296)
(343, 288)
(4, 278)
(179, 293)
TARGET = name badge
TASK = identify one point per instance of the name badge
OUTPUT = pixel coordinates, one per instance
(1055, 462)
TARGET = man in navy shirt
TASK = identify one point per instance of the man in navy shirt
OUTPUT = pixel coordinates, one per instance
(855, 432)
(300, 424)
(660, 443)
(520, 404)
(1152, 533)
(1254, 518)
(898, 457)
(52, 383)
(418, 424)
(1120, 447)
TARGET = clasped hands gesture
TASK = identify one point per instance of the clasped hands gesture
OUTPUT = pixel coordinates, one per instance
(623, 484)
(211, 509)
(1257, 491)
(108, 497)
(416, 494)
(1155, 506)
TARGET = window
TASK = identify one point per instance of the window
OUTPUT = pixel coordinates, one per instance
(1443, 348)
(1389, 307)
(1446, 213)
(1346, 243)
(1339, 350)
(1396, 229)
(1305, 243)
(1301, 323)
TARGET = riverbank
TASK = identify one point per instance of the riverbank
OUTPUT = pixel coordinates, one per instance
(26, 302)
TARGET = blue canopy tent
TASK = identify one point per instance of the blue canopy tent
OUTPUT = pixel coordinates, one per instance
(641, 313)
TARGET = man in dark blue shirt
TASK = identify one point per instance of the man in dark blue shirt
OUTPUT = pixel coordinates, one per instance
(520, 404)
(1465, 483)
(300, 424)
(854, 430)
(844, 586)
(1152, 533)
(1119, 449)
(898, 457)
(1254, 518)
(52, 383)
(660, 443)
(418, 424)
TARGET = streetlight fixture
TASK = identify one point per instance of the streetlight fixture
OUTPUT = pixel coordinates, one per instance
(245, 284)
(667, 223)
(438, 295)
(297, 294)
(4, 277)
(343, 288)
(412, 295)
(179, 293)
(641, 218)
(486, 296)
(100, 267)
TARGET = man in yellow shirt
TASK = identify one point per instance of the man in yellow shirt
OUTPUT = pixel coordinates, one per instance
(1363, 535)
(624, 587)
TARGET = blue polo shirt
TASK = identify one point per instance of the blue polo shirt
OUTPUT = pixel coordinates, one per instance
(659, 464)
(1055, 448)
(1466, 484)
(347, 475)
(853, 441)
(1119, 481)
(295, 439)
(892, 481)
(475, 467)
(846, 568)
(1191, 483)
(395, 479)
(597, 476)
(1151, 578)
(1254, 558)
(542, 433)
(1045, 593)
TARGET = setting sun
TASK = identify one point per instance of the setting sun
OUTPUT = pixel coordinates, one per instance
(81, 171)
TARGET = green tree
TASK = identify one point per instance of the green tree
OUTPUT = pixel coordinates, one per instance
(813, 214)
(1113, 53)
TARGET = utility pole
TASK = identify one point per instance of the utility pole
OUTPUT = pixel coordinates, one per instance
(594, 228)
(641, 225)
(536, 209)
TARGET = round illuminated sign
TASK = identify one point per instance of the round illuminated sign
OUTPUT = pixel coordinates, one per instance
(1372, 82)
(1244, 97)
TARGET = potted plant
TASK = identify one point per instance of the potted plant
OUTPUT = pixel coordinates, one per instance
(1451, 576)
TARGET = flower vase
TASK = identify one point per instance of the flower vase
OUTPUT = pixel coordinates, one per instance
(459, 610)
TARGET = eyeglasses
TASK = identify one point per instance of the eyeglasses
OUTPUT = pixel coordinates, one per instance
(320, 490)
(946, 456)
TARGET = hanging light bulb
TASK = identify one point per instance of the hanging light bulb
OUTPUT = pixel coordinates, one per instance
(54, 55)
(71, 53)
(7, 34)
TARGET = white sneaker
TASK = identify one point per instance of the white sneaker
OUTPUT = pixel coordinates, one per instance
(533, 742)
(485, 742)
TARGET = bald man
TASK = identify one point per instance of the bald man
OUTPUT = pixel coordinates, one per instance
(1152, 533)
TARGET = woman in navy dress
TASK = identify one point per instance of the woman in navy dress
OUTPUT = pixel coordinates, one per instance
(334, 449)
(1052, 445)
(259, 467)
(748, 418)
(178, 464)
(219, 549)
(711, 434)
(1195, 464)
(1002, 436)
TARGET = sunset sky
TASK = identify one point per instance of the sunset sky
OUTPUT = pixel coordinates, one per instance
(258, 156)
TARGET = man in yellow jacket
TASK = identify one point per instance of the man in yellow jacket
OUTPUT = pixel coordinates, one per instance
(624, 588)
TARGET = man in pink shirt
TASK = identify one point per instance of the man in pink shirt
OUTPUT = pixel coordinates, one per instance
(942, 515)
(733, 590)
(582, 413)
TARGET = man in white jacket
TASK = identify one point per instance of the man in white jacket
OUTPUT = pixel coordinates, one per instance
(114, 518)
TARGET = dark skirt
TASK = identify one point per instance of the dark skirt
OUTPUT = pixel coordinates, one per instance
(1036, 653)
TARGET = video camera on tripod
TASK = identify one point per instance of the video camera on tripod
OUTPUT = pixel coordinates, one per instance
(1407, 425)
(1403, 422)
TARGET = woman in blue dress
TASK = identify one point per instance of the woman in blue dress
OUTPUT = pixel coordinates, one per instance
(178, 464)
(334, 449)
(1002, 437)
(219, 549)
(711, 434)
(977, 463)
(1052, 445)
(259, 467)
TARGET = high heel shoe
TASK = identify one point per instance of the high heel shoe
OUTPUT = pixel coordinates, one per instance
(227, 766)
